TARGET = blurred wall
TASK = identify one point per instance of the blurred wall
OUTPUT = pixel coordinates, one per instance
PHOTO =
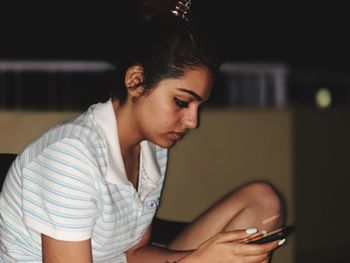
(322, 169)
(18, 128)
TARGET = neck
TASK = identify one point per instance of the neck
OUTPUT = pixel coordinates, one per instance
(129, 140)
(129, 137)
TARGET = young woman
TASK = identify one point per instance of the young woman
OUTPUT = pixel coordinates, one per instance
(87, 190)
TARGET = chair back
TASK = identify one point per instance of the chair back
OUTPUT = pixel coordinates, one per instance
(6, 160)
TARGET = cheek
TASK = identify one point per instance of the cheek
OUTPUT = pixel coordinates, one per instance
(164, 118)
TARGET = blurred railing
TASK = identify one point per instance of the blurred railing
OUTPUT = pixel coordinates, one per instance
(251, 85)
(69, 85)
(52, 85)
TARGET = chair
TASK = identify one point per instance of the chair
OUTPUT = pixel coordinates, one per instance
(6, 160)
(163, 230)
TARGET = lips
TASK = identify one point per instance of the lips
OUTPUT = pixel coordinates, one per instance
(177, 135)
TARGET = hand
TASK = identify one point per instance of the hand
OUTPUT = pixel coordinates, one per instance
(230, 247)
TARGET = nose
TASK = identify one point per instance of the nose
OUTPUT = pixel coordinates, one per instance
(191, 119)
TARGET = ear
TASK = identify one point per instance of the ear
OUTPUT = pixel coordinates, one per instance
(133, 81)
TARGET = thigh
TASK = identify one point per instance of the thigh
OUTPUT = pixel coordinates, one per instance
(226, 215)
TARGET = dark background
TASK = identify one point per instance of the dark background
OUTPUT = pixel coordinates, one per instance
(302, 35)
(311, 38)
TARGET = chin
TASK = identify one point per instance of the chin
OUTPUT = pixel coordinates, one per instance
(164, 143)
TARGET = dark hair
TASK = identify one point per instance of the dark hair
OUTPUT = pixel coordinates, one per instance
(165, 46)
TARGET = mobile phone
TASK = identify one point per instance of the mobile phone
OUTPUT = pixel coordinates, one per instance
(277, 234)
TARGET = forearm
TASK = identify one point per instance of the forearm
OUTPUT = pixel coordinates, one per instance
(155, 254)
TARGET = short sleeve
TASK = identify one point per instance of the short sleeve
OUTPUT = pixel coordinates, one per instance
(59, 194)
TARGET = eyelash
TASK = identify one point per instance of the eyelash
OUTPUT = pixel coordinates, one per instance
(180, 103)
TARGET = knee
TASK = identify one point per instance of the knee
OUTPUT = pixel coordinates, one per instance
(266, 196)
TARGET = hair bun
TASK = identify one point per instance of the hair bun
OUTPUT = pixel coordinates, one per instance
(165, 8)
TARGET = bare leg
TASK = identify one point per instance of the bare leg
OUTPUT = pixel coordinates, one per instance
(253, 205)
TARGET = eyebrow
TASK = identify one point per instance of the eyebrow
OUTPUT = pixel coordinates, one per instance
(191, 92)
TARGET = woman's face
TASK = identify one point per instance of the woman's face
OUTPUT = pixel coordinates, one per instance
(171, 108)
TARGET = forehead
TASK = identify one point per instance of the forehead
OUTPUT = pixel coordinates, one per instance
(198, 74)
(198, 80)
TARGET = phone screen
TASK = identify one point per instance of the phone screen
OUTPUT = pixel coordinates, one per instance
(277, 234)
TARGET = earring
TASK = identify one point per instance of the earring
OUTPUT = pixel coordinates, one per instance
(140, 90)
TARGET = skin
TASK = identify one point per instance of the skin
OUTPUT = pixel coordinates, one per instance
(166, 113)
(163, 117)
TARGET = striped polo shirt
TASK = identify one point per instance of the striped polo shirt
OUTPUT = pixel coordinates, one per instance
(71, 185)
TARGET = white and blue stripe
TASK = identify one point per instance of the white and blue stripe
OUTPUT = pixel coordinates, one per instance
(71, 184)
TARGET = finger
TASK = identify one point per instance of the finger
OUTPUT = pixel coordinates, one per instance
(258, 249)
(255, 236)
(236, 235)
(260, 259)
(267, 259)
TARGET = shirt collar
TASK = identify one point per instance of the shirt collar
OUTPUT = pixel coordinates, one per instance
(105, 118)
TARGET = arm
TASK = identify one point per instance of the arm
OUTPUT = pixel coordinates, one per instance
(57, 251)
(145, 252)
(227, 246)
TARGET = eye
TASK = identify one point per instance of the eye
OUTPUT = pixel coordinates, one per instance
(180, 103)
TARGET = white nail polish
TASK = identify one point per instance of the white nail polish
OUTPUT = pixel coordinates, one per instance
(281, 242)
(251, 230)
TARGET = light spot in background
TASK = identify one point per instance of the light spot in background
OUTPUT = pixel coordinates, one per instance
(323, 98)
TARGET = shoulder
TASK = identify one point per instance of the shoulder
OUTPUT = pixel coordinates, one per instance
(74, 139)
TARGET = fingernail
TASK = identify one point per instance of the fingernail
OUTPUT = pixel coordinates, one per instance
(264, 233)
(281, 242)
(251, 230)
